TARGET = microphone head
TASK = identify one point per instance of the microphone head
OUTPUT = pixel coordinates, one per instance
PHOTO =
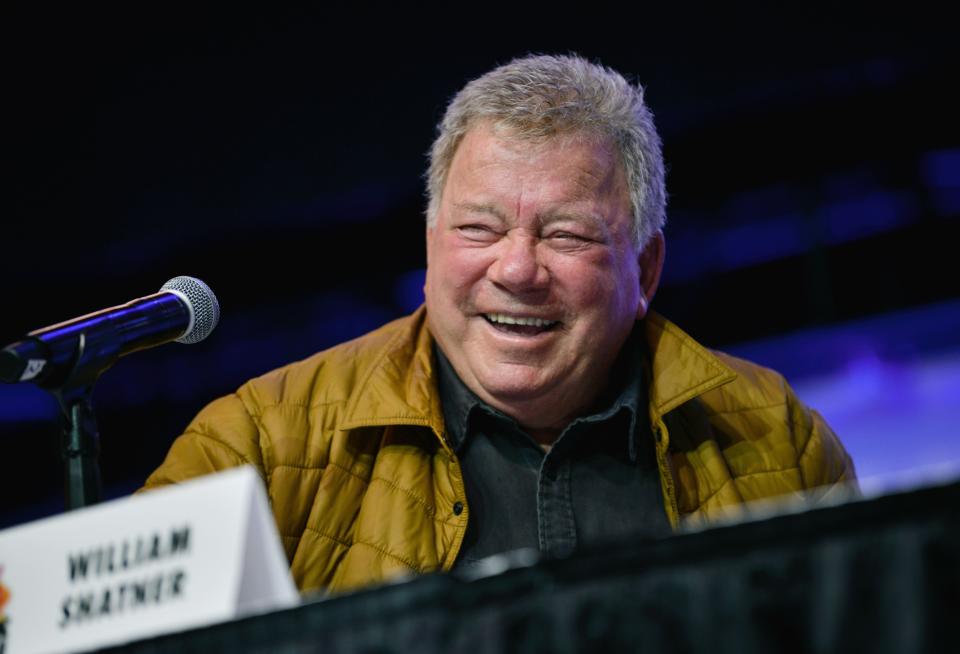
(203, 304)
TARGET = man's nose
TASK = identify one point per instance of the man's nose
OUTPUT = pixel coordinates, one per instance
(518, 267)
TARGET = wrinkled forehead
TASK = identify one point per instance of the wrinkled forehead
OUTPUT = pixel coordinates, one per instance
(513, 138)
(585, 159)
(534, 135)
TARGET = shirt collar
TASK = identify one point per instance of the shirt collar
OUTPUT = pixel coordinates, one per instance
(456, 400)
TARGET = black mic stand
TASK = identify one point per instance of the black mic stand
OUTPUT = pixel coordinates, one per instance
(80, 441)
(80, 449)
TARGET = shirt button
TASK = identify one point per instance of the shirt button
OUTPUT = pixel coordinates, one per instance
(457, 508)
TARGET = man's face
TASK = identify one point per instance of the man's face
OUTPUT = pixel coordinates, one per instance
(533, 281)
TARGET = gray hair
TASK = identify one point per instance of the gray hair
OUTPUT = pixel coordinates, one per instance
(539, 97)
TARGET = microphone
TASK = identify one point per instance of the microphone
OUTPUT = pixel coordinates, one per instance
(184, 310)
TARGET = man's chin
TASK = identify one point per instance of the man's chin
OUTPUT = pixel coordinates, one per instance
(514, 384)
(511, 390)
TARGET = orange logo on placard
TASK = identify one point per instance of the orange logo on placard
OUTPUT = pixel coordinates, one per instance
(4, 597)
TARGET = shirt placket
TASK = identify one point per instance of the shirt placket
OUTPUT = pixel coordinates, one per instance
(556, 524)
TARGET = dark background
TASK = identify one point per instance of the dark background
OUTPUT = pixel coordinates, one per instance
(813, 159)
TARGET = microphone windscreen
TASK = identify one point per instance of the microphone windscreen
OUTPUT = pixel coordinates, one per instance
(203, 305)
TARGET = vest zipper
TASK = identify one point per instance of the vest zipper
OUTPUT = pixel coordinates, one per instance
(662, 438)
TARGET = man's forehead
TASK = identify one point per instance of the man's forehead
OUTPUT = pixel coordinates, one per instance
(595, 157)
(578, 166)
(514, 137)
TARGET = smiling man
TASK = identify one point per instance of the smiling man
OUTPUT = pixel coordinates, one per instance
(533, 402)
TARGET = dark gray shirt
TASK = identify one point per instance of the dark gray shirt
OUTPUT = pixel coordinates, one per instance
(598, 482)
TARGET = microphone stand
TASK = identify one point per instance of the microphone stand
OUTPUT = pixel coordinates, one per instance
(80, 440)
(80, 449)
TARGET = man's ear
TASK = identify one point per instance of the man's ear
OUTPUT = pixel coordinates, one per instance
(651, 265)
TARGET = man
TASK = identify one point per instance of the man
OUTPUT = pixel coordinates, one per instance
(533, 402)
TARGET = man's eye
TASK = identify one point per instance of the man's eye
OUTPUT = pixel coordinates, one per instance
(567, 237)
(476, 232)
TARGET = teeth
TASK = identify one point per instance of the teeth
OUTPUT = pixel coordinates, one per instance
(516, 320)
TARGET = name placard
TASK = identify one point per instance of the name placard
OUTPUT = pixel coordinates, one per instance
(171, 559)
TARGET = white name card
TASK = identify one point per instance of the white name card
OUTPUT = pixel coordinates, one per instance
(168, 560)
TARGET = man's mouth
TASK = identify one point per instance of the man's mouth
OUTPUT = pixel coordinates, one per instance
(527, 326)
